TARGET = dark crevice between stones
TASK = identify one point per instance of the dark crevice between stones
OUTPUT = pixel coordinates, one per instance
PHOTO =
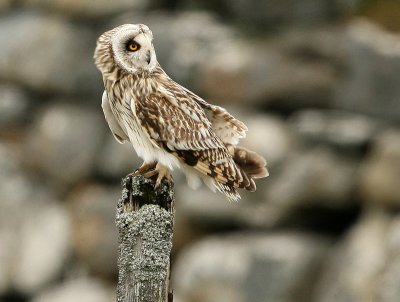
(14, 296)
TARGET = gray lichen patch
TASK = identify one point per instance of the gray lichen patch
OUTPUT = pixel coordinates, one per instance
(145, 242)
(143, 191)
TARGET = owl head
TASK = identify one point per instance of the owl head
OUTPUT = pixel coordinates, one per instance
(128, 47)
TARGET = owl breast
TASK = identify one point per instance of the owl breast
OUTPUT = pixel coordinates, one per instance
(144, 146)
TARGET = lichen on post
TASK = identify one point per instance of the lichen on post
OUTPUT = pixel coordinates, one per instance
(145, 217)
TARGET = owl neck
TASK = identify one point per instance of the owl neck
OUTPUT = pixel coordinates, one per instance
(142, 83)
(114, 73)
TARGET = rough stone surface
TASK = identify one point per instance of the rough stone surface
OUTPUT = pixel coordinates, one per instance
(65, 141)
(271, 14)
(5, 4)
(353, 271)
(270, 136)
(59, 56)
(387, 289)
(236, 74)
(14, 105)
(206, 207)
(117, 160)
(373, 61)
(246, 267)
(6, 257)
(270, 74)
(43, 247)
(79, 289)
(380, 172)
(94, 238)
(340, 129)
(34, 229)
(306, 179)
(316, 176)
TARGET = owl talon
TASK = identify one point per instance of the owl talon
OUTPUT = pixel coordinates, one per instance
(143, 168)
(161, 172)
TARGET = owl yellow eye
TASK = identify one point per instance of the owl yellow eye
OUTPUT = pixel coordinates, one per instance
(132, 46)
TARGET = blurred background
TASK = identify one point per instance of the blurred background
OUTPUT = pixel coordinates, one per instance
(316, 81)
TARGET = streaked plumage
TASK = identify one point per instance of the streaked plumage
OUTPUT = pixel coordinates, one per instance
(168, 125)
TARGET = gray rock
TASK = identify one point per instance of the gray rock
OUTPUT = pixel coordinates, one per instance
(354, 269)
(116, 160)
(79, 289)
(212, 210)
(43, 247)
(15, 193)
(247, 267)
(388, 289)
(16, 190)
(269, 74)
(7, 239)
(271, 14)
(236, 72)
(47, 53)
(371, 84)
(331, 67)
(9, 160)
(204, 207)
(86, 8)
(316, 177)
(34, 228)
(65, 140)
(345, 130)
(94, 235)
(380, 172)
(14, 105)
(269, 136)
(5, 4)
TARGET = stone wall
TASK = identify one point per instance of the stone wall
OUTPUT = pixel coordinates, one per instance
(318, 86)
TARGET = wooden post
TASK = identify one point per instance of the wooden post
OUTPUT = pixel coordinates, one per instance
(145, 218)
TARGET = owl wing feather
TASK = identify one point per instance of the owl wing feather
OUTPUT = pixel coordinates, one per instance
(115, 128)
(184, 130)
(180, 126)
(226, 126)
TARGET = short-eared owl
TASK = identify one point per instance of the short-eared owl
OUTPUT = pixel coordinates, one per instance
(168, 125)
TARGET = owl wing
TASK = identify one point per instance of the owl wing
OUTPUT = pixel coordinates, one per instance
(178, 126)
(226, 126)
(115, 128)
(184, 130)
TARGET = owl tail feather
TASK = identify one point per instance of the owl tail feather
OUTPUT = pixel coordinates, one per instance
(229, 191)
(250, 162)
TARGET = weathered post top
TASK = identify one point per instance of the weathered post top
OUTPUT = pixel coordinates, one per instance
(145, 217)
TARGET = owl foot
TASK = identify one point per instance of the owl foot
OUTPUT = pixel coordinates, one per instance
(161, 171)
(144, 168)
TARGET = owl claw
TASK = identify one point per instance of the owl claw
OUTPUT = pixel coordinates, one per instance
(161, 172)
(143, 168)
